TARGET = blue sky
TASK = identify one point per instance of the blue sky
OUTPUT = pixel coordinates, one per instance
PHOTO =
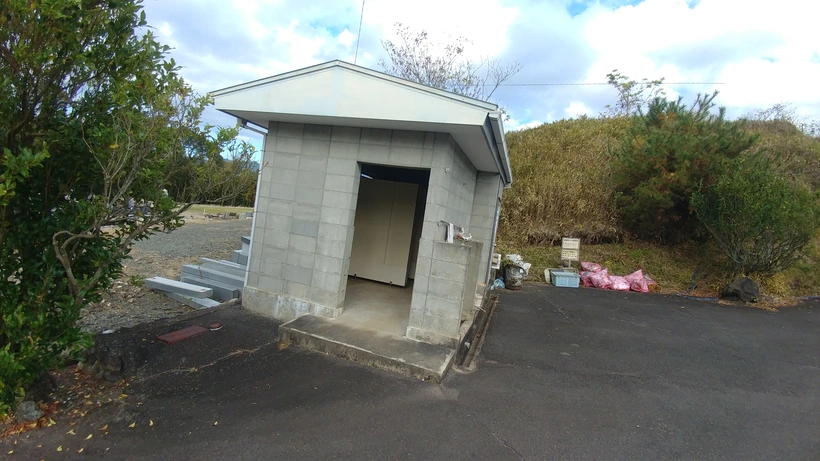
(764, 52)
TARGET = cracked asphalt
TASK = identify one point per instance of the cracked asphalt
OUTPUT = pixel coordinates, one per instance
(563, 374)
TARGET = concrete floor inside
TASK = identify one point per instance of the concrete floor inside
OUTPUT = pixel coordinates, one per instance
(376, 306)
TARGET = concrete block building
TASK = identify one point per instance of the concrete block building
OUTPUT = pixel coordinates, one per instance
(361, 175)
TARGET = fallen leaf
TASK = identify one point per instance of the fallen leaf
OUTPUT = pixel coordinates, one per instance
(122, 396)
(40, 446)
(60, 448)
(216, 422)
(71, 432)
(89, 436)
(80, 450)
(51, 422)
(132, 424)
(104, 427)
(11, 451)
(150, 422)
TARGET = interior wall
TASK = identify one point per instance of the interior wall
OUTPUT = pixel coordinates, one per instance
(383, 230)
(418, 222)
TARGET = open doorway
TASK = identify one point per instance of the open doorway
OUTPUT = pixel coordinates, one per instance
(387, 229)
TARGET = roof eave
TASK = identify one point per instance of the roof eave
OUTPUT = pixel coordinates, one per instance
(354, 68)
(501, 145)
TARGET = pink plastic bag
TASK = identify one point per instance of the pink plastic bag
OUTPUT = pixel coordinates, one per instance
(585, 278)
(601, 279)
(591, 267)
(637, 281)
(619, 283)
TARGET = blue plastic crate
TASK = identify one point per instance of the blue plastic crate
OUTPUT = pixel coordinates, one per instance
(567, 278)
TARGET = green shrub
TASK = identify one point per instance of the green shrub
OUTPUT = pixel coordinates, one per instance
(92, 114)
(761, 220)
(664, 157)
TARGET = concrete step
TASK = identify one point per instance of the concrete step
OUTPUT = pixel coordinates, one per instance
(220, 290)
(382, 350)
(196, 303)
(228, 267)
(213, 274)
(175, 286)
(239, 257)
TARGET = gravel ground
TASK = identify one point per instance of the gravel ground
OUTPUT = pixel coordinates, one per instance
(127, 305)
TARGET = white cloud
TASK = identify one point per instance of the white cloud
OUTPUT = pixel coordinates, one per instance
(766, 52)
(760, 49)
(346, 38)
(165, 30)
(577, 109)
(526, 126)
(483, 22)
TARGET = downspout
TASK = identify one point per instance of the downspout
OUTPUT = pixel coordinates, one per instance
(255, 202)
(495, 232)
(501, 146)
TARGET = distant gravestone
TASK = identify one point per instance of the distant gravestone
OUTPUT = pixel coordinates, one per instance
(743, 289)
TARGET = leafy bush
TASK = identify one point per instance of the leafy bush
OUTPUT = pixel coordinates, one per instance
(761, 220)
(562, 184)
(664, 157)
(93, 117)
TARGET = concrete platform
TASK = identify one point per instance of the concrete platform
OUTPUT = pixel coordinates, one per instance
(382, 350)
(377, 306)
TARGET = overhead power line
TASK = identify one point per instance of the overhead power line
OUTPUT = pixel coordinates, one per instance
(359, 36)
(602, 83)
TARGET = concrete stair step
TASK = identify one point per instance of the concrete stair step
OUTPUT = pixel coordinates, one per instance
(228, 267)
(390, 352)
(179, 287)
(213, 274)
(196, 303)
(221, 290)
(239, 257)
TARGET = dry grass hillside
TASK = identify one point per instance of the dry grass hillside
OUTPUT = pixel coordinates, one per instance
(563, 188)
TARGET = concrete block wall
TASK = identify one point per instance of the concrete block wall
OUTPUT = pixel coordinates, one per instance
(439, 283)
(438, 298)
(308, 191)
(488, 190)
(303, 233)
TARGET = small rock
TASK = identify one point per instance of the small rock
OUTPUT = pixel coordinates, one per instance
(111, 363)
(27, 411)
(111, 377)
(744, 289)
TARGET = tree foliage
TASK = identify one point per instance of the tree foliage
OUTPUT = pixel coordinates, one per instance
(760, 220)
(444, 65)
(633, 96)
(666, 155)
(92, 117)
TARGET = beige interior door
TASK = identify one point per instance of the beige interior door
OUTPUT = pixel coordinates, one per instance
(383, 230)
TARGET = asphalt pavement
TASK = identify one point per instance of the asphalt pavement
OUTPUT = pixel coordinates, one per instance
(564, 373)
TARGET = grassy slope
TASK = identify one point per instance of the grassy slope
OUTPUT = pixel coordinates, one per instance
(562, 188)
(218, 209)
(673, 267)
